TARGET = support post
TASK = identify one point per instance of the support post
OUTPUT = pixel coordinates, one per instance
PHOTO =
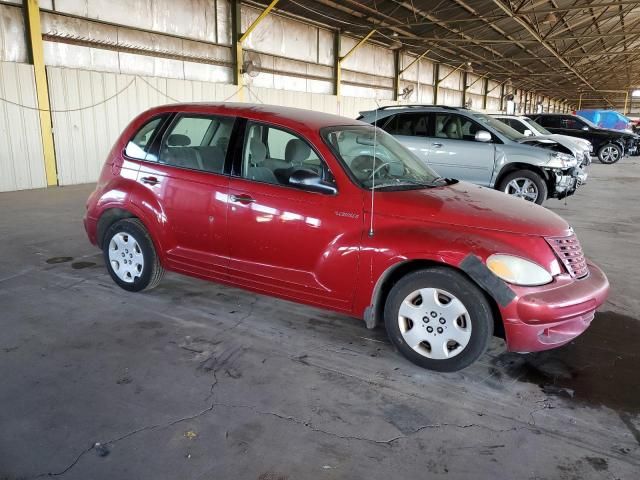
(464, 88)
(485, 93)
(337, 72)
(580, 101)
(36, 54)
(626, 102)
(436, 82)
(502, 106)
(397, 55)
(240, 38)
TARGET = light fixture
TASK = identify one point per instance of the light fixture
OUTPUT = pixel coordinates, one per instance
(635, 93)
(469, 67)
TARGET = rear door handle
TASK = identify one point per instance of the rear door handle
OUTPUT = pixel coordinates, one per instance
(436, 144)
(150, 180)
(244, 199)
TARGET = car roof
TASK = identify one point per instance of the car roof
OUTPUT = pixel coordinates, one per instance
(270, 113)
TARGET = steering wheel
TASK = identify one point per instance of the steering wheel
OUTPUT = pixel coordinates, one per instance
(377, 169)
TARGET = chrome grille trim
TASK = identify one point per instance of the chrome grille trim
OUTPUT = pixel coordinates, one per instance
(569, 251)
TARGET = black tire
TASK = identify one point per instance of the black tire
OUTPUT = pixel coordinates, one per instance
(152, 271)
(610, 153)
(536, 179)
(446, 279)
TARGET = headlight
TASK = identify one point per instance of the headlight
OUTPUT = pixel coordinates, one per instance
(517, 270)
(561, 160)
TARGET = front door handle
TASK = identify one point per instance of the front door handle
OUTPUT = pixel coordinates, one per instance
(436, 144)
(243, 199)
(150, 180)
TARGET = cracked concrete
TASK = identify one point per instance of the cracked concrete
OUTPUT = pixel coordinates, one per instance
(197, 380)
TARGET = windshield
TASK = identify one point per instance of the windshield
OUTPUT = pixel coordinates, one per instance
(538, 127)
(498, 125)
(377, 160)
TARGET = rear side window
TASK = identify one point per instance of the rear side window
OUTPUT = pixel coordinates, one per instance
(572, 123)
(197, 142)
(408, 124)
(138, 146)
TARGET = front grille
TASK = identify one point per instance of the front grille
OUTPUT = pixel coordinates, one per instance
(569, 251)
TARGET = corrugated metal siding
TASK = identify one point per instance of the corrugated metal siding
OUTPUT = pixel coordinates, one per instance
(21, 157)
(102, 104)
(107, 103)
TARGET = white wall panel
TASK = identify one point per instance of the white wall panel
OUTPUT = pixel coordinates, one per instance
(21, 157)
(452, 98)
(13, 46)
(84, 136)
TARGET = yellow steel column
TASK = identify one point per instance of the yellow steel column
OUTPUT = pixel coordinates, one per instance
(240, 38)
(32, 16)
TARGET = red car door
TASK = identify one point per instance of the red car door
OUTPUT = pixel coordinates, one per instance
(189, 187)
(287, 241)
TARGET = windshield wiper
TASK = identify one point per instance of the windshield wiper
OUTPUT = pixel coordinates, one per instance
(407, 182)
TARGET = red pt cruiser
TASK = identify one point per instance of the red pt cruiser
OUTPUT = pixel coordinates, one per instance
(331, 212)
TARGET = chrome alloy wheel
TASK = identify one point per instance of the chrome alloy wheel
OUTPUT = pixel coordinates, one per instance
(610, 154)
(522, 188)
(126, 257)
(434, 323)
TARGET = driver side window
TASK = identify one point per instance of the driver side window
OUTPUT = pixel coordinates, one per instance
(272, 154)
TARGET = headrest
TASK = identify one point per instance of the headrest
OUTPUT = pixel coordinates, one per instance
(258, 151)
(452, 127)
(296, 151)
(178, 140)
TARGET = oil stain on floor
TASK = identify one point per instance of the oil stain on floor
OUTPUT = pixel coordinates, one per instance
(595, 369)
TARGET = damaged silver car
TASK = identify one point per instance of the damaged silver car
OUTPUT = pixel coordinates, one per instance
(471, 146)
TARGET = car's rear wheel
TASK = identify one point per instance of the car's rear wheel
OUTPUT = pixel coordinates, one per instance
(610, 153)
(525, 184)
(438, 319)
(130, 256)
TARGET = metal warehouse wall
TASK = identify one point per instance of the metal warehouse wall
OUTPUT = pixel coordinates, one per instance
(21, 164)
(90, 109)
(109, 60)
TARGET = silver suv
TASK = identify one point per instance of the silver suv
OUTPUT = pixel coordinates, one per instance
(467, 145)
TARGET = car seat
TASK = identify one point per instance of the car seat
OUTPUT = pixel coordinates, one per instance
(255, 167)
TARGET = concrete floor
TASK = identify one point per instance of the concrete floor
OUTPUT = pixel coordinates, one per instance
(199, 381)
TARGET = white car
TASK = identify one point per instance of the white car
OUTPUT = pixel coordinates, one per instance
(581, 148)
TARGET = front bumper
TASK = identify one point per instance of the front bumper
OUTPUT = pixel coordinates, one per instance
(566, 182)
(541, 318)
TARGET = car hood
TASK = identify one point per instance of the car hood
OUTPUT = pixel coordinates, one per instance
(468, 205)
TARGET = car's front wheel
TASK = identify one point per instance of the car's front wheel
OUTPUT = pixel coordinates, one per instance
(610, 153)
(438, 319)
(525, 184)
(130, 256)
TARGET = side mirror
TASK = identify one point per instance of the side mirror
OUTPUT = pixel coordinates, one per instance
(483, 136)
(528, 133)
(311, 181)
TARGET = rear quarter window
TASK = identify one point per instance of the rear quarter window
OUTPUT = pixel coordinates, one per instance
(138, 146)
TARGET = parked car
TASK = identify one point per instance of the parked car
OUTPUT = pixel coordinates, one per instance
(609, 145)
(280, 201)
(581, 148)
(613, 120)
(467, 145)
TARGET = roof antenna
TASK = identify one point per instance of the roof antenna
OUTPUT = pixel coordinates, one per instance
(373, 168)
